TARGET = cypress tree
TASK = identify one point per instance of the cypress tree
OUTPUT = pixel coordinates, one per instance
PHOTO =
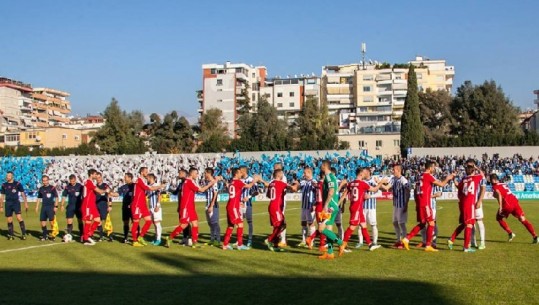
(411, 126)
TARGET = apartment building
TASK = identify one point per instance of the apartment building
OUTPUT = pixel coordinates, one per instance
(51, 107)
(15, 105)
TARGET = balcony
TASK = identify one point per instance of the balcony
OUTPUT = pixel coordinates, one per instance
(400, 92)
(400, 81)
(241, 76)
(385, 92)
(398, 103)
(397, 114)
(385, 82)
(200, 95)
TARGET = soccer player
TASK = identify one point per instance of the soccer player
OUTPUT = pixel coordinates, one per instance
(330, 196)
(276, 192)
(212, 208)
(139, 208)
(467, 194)
(155, 209)
(90, 214)
(436, 193)
(188, 214)
(308, 187)
(400, 188)
(279, 166)
(423, 207)
(247, 202)
(47, 195)
(369, 209)
(318, 212)
(356, 191)
(182, 175)
(479, 215)
(233, 212)
(126, 191)
(509, 205)
(103, 205)
(10, 191)
(73, 192)
(338, 219)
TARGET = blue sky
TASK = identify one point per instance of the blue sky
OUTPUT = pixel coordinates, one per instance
(148, 54)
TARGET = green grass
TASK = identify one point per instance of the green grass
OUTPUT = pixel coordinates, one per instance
(115, 273)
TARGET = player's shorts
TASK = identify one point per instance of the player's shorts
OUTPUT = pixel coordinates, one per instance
(515, 210)
(90, 212)
(71, 210)
(433, 213)
(479, 213)
(247, 213)
(157, 216)
(276, 217)
(400, 215)
(126, 213)
(319, 208)
(102, 208)
(356, 216)
(424, 214)
(334, 208)
(214, 217)
(233, 216)
(468, 214)
(307, 215)
(139, 211)
(370, 216)
(47, 213)
(12, 208)
(338, 218)
(188, 214)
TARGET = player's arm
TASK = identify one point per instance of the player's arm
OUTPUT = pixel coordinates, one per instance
(38, 202)
(445, 182)
(255, 180)
(499, 198)
(56, 200)
(2, 200)
(23, 195)
(64, 195)
(374, 189)
(214, 200)
(207, 186)
(331, 192)
(437, 195)
(343, 197)
(482, 191)
(407, 192)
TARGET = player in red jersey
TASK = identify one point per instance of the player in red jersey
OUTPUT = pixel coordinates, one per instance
(139, 208)
(508, 205)
(276, 191)
(423, 207)
(90, 214)
(188, 213)
(356, 191)
(468, 189)
(318, 208)
(233, 213)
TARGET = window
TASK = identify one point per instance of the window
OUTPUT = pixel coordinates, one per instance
(279, 105)
(368, 77)
(253, 97)
(311, 81)
(219, 82)
(64, 136)
(12, 138)
(367, 99)
(291, 104)
(419, 75)
(366, 88)
(267, 95)
(379, 157)
(291, 94)
(213, 71)
(397, 143)
(77, 138)
(279, 94)
(361, 144)
(254, 75)
(219, 101)
(379, 143)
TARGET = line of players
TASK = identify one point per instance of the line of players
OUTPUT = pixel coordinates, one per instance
(321, 200)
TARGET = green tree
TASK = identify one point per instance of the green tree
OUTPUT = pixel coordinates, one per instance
(174, 135)
(411, 126)
(435, 114)
(213, 132)
(243, 104)
(328, 129)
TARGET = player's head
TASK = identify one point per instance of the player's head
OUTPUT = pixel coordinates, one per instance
(182, 173)
(470, 169)
(278, 174)
(494, 178)
(470, 162)
(366, 173)
(430, 166)
(151, 178)
(326, 166)
(244, 171)
(193, 173)
(9, 176)
(334, 171)
(72, 179)
(208, 173)
(91, 173)
(277, 165)
(128, 177)
(143, 171)
(99, 177)
(45, 180)
(397, 170)
(308, 173)
(235, 172)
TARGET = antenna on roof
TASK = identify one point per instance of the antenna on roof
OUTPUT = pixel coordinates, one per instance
(363, 52)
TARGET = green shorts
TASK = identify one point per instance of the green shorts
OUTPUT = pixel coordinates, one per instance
(335, 207)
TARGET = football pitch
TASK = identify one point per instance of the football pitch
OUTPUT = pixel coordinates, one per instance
(35, 272)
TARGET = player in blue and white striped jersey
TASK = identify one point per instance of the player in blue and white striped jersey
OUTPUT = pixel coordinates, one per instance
(247, 202)
(308, 187)
(436, 193)
(212, 209)
(369, 211)
(155, 209)
(400, 187)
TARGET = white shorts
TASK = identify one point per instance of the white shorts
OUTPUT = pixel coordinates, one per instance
(434, 214)
(338, 219)
(307, 215)
(157, 216)
(370, 216)
(399, 215)
(479, 213)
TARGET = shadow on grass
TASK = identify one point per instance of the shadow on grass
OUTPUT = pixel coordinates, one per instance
(198, 286)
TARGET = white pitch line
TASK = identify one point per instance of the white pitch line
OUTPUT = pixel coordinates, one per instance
(29, 248)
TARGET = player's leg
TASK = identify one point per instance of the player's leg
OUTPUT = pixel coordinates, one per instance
(134, 230)
(396, 226)
(338, 224)
(211, 225)
(10, 231)
(249, 217)
(126, 217)
(304, 227)
(102, 209)
(467, 238)
(371, 220)
(22, 225)
(70, 213)
(216, 226)
(519, 214)
(146, 227)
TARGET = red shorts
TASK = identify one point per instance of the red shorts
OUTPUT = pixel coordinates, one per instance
(467, 214)
(514, 210)
(318, 208)
(276, 217)
(356, 216)
(139, 211)
(424, 214)
(89, 212)
(233, 216)
(188, 214)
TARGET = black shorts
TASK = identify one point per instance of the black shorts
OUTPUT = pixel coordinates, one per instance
(102, 207)
(12, 208)
(72, 211)
(126, 213)
(47, 213)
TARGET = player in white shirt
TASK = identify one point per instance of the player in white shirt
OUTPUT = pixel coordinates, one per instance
(155, 209)
(400, 187)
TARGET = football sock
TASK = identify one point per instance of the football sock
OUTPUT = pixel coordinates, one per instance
(194, 232)
(250, 224)
(415, 230)
(94, 226)
(347, 234)
(457, 231)
(397, 230)
(481, 228)
(176, 231)
(239, 233)
(10, 228)
(45, 232)
(467, 237)
(86, 231)
(126, 230)
(217, 232)
(273, 236)
(303, 233)
(228, 234)
(323, 239)
(360, 235)
(403, 230)
(158, 231)
(23, 227)
(374, 234)
(100, 230)
(424, 235)
(340, 232)
(529, 227)
(69, 228)
(81, 228)
(331, 237)
(430, 234)
(134, 231)
(366, 236)
(145, 228)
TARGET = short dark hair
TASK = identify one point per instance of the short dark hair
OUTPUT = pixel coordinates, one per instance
(326, 162)
(181, 170)
(209, 170)
(275, 172)
(470, 161)
(72, 177)
(429, 163)
(9, 172)
(192, 169)
(91, 171)
(130, 175)
(142, 169)
(99, 173)
(44, 176)
(494, 177)
(243, 167)
(234, 171)
(334, 170)
(151, 175)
